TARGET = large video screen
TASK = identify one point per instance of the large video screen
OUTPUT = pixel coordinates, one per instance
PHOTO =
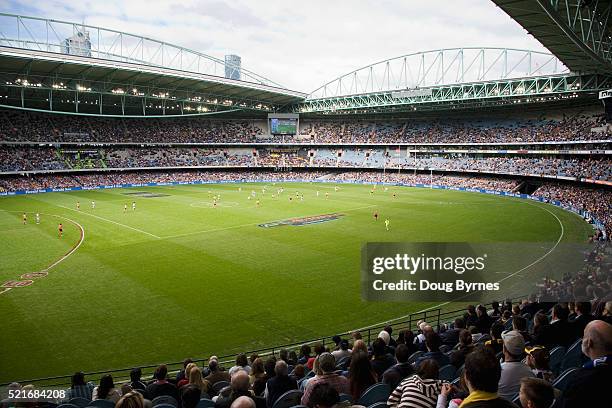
(283, 126)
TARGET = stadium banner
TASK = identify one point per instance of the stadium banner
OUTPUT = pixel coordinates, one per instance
(465, 271)
(580, 212)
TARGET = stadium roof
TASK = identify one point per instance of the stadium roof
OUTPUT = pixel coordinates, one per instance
(578, 32)
(63, 57)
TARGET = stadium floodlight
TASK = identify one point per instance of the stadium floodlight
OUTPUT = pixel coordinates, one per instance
(118, 91)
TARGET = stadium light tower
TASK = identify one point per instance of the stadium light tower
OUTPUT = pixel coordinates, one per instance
(232, 66)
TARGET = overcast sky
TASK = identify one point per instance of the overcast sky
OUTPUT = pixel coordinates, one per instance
(299, 44)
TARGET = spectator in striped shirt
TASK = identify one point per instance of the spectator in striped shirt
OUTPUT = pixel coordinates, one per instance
(420, 390)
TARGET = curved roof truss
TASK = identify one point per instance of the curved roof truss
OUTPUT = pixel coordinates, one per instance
(442, 67)
(47, 35)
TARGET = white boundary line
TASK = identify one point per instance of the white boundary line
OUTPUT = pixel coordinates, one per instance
(251, 224)
(499, 281)
(63, 258)
(111, 221)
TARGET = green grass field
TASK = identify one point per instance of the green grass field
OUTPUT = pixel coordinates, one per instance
(178, 278)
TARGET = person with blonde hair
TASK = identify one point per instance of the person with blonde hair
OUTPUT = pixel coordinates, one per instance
(132, 399)
(358, 346)
(195, 378)
(185, 380)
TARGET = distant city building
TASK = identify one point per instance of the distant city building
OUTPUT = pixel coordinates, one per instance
(78, 44)
(232, 66)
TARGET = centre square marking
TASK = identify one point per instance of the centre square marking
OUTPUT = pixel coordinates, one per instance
(301, 221)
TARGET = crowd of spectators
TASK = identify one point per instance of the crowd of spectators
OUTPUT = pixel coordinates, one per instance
(14, 158)
(18, 125)
(497, 357)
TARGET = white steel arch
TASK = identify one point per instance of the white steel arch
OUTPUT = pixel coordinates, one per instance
(442, 67)
(42, 34)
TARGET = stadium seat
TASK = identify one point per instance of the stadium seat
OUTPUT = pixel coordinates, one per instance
(517, 401)
(163, 406)
(219, 385)
(460, 370)
(483, 339)
(447, 373)
(342, 364)
(102, 404)
(205, 403)
(445, 348)
(346, 397)
(573, 357)
(376, 393)
(508, 325)
(289, 399)
(561, 382)
(80, 402)
(414, 356)
(378, 405)
(64, 406)
(164, 399)
(556, 359)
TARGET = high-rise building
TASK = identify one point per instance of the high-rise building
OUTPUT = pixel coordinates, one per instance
(232, 66)
(78, 44)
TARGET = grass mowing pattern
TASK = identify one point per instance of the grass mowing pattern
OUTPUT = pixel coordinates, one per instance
(178, 278)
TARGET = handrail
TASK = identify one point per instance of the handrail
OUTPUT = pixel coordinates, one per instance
(369, 332)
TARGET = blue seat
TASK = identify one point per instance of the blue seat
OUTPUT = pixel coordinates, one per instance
(79, 402)
(163, 406)
(289, 399)
(573, 357)
(565, 377)
(342, 364)
(219, 385)
(447, 373)
(346, 397)
(100, 403)
(556, 358)
(205, 403)
(378, 405)
(375, 393)
(164, 399)
(62, 406)
(414, 356)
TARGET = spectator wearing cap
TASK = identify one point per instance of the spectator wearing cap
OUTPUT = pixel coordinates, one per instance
(512, 369)
(343, 350)
(590, 385)
(482, 375)
(536, 393)
(326, 366)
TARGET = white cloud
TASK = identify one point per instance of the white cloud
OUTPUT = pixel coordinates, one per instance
(300, 44)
